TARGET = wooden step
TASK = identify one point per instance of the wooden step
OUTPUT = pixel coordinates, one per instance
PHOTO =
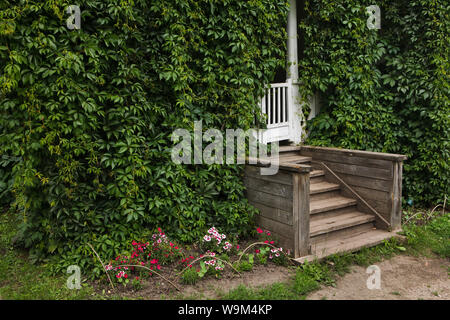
(322, 186)
(351, 243)
(284, 149)
(295, 159)
(317, 176)
(330, 224)
(333, 203)
(316, 173)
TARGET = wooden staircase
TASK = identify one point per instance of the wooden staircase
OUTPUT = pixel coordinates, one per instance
(336, 223)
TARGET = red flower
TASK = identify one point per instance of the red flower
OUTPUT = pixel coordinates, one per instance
(259, 230)
(125, 276)
(267, 241)
(257, 251)
(159, 230)
(272, 242)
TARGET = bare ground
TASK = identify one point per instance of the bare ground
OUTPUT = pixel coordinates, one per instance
(402, 278)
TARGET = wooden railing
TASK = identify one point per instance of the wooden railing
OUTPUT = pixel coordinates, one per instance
(375, 177)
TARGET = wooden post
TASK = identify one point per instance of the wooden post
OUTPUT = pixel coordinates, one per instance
(301, 214)
(396, 195)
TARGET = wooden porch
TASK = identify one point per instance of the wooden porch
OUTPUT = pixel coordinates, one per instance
(327, 200)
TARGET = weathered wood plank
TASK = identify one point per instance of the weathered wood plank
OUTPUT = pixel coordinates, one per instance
(361, 171)
(374, 184)
(396, 197)
(345, 158)
(275, 227)
(274, 213)
(295, 159)
(277, 189)
(301, 214)
(255, 196)
(372, 194)
(280, 177)
(359, 153)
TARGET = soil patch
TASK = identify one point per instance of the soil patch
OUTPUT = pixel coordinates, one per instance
(402, 278)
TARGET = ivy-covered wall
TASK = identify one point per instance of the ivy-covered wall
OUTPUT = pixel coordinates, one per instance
(383, 90)
(86, 115)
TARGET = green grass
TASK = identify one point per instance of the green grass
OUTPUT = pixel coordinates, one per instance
(21, 280)
(429, 239)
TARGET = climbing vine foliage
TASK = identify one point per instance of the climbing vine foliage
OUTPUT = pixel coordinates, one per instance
(87, 115)
(383, 90)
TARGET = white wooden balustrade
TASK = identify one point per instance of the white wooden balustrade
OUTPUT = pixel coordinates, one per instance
(283, 113)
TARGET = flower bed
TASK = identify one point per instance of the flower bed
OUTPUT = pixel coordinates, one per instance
(214, 255)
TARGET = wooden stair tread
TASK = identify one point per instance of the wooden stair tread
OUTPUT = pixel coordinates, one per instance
(345, 220)
(350, 244)
(338, 202)
(295, 159)
(289, 149)
(316, 173)
(324, 186)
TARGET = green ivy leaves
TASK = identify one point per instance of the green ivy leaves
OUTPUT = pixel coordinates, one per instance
(383, 90)
(91, 112)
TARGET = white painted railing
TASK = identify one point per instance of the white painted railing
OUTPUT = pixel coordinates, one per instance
(277, 106)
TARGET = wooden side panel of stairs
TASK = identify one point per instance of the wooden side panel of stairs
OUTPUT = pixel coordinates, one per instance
(337, 222)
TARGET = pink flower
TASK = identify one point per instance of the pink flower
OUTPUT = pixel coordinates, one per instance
(259, 230)
(207, 238)
(257, 251)
(272, 242)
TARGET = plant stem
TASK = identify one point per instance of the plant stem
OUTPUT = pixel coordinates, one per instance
(157, 273)
(104, 269)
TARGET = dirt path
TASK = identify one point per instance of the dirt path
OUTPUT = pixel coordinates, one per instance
(402, 278)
